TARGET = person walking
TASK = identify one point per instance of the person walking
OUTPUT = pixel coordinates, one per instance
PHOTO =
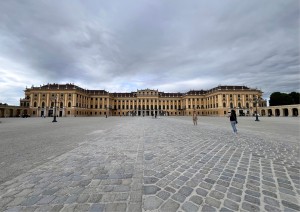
(195, 118)
(233, 121)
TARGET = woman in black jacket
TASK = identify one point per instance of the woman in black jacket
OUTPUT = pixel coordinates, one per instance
(233, 121)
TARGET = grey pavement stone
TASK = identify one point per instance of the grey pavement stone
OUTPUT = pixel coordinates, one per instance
(208, 208)
(152, 203)
(253, 193)
(212, 202)
(235, 191)
(31, 200)
(97, 207)
(188, 206)
(170, 205)
(56, 208)
(234, 197)
(178, 197)
(163, 195)
(290, 205)
(272, 209)
(249, 207)
(231, 205)
(216, 195)
(95, 198)
(270, 194)
(186, 191)
(135, 207)
(201, 192)
(196, 199)
(83, 198)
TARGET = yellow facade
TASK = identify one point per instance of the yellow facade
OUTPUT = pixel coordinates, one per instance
(71, 100)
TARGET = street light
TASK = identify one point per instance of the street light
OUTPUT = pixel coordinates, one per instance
(55, 104)
(256, 100)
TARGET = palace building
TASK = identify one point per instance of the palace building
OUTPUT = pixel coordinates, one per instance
(71, 100)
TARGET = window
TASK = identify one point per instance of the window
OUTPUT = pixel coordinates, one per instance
(34, 104)
(69, 104)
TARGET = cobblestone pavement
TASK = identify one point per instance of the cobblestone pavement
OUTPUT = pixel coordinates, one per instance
(163, 164)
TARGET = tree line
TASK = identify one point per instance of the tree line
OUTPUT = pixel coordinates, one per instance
(278, 98)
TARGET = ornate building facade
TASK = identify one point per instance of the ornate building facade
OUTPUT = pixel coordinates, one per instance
(72, 100)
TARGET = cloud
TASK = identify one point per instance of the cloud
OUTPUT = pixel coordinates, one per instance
(168, 45)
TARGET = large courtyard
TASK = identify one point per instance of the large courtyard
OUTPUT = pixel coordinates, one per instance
(147, 164)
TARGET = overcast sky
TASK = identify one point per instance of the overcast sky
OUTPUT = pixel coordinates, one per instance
(169, 45)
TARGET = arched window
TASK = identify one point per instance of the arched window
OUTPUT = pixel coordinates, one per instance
(34, 104)
(224, 104)
(52, 104)
(61, 105)
(231, 105)
(69, 104)
(239, 105)
(43, 104)
(247, 105)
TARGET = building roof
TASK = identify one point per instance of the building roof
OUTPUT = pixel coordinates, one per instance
(69, 86)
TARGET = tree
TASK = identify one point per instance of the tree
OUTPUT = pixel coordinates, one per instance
(278, 98)
(295, 97)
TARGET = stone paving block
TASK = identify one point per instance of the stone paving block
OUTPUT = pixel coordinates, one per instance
(178, 197)
(186, 191)
(96, 198)
(235, 191)
(201, 192)
(221, 188)
(151, 203)
(188, 206)
(231, 205)
(271, 209)
(196, 199)
(71, 199)
(212, 202)
(163, 195)
(208, 208)
(290, 205)
(253, 193)
(151, 190)
(97, 207)
(116, 207)
(16, 201)
(45, 200)
(252, 199)
(205, 185)
(83, 198)
(134, 207)
(136, 196)
(56, 208)
(216, 195)
(270, 194)
(225, 210)
(250, 207)
(31, 200)
(82, 207)
(234, 197)
(170, 205)
(223, 183)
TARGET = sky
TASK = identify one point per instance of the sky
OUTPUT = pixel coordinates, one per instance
(169, 45)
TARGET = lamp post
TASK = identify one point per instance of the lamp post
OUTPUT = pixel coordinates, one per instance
(56, 100)
(256, 100)
(54, 116)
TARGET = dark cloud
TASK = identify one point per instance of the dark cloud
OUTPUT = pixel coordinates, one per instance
(168, 45)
